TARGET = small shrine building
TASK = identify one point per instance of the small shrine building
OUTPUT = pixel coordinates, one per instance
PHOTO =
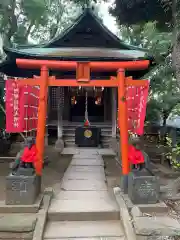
(86, 40)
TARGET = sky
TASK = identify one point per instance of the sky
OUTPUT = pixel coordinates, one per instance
(108, 20)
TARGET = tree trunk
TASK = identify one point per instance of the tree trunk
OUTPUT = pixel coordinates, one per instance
(29, 30)
(165, 116)
(164, 120)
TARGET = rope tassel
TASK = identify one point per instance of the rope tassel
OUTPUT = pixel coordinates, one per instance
(86, 122)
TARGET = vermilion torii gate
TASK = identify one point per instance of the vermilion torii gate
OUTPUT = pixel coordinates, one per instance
(83, 70)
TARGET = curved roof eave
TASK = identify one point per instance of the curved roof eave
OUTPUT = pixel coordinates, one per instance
(90, 53)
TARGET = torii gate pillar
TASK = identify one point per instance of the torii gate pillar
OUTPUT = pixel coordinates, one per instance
(42, 115)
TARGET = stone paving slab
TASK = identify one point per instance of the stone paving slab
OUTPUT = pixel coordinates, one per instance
(84, 176)
(70, 151)
(83, 229)
(98, 169)
(85, 156)
(84, 185)
(88, 151)
(87, 162)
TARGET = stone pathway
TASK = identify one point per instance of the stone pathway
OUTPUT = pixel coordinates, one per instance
(83, 208)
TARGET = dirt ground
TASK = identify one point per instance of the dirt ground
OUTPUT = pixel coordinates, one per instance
(112, 171)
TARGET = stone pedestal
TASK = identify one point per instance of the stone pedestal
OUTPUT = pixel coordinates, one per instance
(143, 188)
(87, 136)
(22, 190)
(124, 184)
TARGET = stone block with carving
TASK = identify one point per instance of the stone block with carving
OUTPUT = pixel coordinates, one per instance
(143, 188)
(22, 190)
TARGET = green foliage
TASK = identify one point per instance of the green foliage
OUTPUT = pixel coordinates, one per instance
(129, 12)
(149, 37)
(173, 153)
(164, 88)
(39, 20)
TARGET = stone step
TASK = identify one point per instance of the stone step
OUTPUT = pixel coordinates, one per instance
(83, 210)
(84, 195)
(87, 229)
(90, 238)
(69, 145)
(102, 151)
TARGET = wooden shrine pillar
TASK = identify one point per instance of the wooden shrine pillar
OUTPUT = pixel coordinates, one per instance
(60, 99)
(114, 110)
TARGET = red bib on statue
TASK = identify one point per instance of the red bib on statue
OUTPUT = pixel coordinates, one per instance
(29, 155)
(135, 156)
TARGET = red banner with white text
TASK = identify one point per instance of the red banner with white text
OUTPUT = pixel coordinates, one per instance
(21, 107)
(136, 97)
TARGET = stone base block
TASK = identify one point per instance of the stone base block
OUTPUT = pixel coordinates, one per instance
(124, 184)
(22, 190)
(143, 189)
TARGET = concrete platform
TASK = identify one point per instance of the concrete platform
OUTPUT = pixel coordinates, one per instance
(84, 229)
